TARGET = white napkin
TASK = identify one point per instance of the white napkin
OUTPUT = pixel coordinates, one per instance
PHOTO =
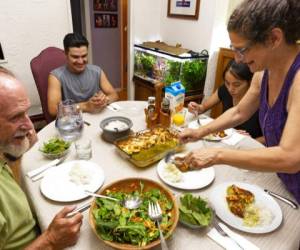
(36, 171)
(234, 139)
(228, 243)
(114, 107)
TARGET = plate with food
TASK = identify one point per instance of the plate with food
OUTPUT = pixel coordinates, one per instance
(67, 181)
(177, 174)
(218, 136)
(246, 207)
(132, 229)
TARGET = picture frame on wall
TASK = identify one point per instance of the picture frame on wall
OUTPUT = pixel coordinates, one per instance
(105, 5)
(105, 20)
(185, 9)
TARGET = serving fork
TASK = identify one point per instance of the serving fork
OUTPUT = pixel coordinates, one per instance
(155, 213)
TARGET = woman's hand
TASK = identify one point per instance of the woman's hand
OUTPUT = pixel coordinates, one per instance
(201, 158)
(189, 135)
(243, 132)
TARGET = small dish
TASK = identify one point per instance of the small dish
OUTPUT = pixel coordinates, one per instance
(55, 148)
(112, 132)
(207, 214)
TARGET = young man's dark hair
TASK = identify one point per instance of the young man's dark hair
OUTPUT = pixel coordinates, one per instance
(74, 40)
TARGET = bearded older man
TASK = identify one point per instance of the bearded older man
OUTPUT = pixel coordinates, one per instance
(18, 229)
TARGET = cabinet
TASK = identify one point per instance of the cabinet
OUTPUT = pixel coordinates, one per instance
(225, 55)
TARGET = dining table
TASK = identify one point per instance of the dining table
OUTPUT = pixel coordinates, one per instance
(115, 167)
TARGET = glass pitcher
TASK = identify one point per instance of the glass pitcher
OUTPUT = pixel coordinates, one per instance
(69, 121)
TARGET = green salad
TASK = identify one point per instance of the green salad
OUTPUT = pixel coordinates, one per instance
(194, 211)
(118, 224)
(55, 146)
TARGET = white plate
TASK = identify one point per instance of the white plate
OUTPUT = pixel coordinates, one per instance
(218, 200)
(211, 137)
(57, 186)
(190, 180)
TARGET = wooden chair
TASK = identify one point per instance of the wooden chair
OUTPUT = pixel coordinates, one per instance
(225, 55)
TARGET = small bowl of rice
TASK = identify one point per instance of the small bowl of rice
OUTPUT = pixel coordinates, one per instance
(115, 127)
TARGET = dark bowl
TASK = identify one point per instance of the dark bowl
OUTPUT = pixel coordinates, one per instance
(111, 135)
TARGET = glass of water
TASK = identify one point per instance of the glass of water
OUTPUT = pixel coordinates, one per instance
(83, 148)
(69, 122)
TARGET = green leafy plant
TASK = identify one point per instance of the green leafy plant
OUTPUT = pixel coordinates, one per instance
(147, 62)
(193, 74)
(173, 72)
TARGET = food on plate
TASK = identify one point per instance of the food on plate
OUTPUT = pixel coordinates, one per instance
(180, 163)
(220, 134)
(194, 211)
(148, 144)
(116, 223)
(172, 173)
(116, 126)
(257, 216)
(55, 146)
(238, 199)
(216, 136)
(79, 175)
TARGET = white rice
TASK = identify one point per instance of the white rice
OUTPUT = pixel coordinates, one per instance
(79, 175)
(116, 126)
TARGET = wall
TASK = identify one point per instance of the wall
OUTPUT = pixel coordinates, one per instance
(208, 32)
(27, 27)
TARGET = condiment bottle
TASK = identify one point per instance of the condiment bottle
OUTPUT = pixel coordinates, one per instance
(151, 114)
(158, 95)
(165, 113)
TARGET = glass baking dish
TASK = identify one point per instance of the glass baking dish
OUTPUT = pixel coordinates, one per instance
(148, 146)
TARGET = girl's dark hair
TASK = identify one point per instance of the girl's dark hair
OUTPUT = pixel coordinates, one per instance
(240, 71)
(254, 19)
(74, 40)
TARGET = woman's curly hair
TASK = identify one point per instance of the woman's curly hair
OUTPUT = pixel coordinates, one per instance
(254, 19)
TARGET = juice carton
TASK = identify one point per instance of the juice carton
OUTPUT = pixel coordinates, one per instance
(175, 93)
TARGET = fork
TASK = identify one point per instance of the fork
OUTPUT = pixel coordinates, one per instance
(223, 233)
(155, 213)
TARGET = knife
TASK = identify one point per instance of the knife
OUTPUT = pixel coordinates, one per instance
(279, 197)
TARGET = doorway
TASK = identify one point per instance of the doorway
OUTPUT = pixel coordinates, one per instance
(104, 23)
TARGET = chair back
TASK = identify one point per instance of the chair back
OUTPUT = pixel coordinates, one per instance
(49, 59)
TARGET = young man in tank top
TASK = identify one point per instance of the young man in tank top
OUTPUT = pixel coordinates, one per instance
(84, 83)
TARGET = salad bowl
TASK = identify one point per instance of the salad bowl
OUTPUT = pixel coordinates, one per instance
(132, 229)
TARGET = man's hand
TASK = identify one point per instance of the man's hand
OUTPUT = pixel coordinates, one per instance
(64, 231)
(97, 102)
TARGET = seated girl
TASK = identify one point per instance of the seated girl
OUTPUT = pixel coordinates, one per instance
(237, 78)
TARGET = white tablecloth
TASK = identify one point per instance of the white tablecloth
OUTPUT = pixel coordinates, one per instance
(286, 237)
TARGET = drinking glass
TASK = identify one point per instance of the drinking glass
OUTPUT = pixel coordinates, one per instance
(69, 122)
(83, 148)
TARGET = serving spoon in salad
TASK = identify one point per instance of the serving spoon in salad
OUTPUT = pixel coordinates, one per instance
(132, 202)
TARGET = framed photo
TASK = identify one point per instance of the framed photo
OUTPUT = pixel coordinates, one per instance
(106, 20)
(105, 5)
(186, 9)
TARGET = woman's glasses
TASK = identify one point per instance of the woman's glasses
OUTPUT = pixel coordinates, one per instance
(240, 51)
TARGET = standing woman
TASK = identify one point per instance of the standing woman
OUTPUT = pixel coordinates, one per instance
(265, 35)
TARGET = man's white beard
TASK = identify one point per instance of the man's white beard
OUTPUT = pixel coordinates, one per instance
(16, 150)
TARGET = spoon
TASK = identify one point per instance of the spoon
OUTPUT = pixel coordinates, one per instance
(131, 202)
